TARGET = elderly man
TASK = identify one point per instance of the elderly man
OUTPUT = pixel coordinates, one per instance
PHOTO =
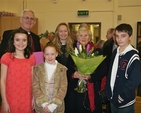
(27, 21)
(110, 33)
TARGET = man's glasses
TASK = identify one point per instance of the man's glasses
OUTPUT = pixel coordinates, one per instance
(28, 18)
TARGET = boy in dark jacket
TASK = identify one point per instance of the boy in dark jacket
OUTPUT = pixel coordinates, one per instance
(124, 73)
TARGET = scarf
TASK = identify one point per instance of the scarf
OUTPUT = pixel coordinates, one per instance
(91, 95)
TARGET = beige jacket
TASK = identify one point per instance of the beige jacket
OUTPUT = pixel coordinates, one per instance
(60, 87)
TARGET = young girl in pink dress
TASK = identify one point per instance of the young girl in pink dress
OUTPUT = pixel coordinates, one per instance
(16, 74)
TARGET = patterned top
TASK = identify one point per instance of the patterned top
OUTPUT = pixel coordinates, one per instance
(18, 82)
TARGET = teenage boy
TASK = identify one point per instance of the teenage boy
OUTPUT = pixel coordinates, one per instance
(124, 73)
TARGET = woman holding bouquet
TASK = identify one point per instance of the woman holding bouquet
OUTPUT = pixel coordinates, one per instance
(89, 101)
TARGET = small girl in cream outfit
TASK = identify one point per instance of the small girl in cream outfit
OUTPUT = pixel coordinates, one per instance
(49, 83)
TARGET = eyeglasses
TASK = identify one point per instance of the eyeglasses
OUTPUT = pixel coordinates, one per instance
(28, 18)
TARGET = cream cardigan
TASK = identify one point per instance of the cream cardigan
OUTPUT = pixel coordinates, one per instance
(59, 91)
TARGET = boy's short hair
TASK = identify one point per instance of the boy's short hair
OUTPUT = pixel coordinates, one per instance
(125, 28)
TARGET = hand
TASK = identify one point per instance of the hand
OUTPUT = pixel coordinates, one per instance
(119, 101)
(87, 77)
(46, 110)
(33, 103)
(5, 108)
(77, 75)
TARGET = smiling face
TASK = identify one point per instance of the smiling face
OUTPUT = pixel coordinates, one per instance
(20, 41)
(63, 33)
(27, 20)
(50, 54)
(83, 37)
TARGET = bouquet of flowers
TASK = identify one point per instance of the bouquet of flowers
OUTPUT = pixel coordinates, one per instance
(86, 59)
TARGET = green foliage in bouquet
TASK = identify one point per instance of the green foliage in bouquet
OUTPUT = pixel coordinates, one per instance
(86, 61)
(81, 87)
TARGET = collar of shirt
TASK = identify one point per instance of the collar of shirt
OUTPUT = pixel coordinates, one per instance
(128, 48)
(28, 33)
(51, 65)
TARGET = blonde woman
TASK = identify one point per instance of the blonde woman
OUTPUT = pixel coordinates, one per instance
(63, 41)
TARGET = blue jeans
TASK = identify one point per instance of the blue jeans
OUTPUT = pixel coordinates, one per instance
(129, 109)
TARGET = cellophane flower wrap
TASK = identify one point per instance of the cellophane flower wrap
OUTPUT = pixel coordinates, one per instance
(87, 59)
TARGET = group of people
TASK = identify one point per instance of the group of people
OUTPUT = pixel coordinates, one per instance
(49, 87)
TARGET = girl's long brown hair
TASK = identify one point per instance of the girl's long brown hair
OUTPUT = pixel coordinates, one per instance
(11, 47)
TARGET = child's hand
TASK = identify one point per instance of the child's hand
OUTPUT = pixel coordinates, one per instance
(5, 108)
(46, 110)
(119, 101)
(33, 103)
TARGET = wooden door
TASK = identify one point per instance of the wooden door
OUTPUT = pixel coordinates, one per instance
(5, 23)
(15, 22)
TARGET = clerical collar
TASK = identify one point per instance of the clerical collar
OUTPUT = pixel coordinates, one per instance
(28, 33)
(63, 43)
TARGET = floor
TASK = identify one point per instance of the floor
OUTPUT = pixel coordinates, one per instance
(137, 105)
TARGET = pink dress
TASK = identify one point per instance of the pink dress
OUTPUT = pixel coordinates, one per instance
(18, 83)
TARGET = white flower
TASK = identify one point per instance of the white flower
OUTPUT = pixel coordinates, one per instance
(92, 54)
(76, 51)
(80, 48)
